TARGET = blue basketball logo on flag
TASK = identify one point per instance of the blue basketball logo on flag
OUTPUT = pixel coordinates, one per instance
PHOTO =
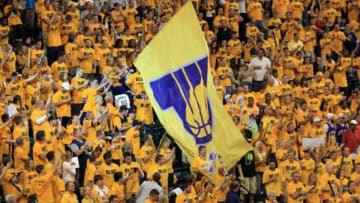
(185, 91)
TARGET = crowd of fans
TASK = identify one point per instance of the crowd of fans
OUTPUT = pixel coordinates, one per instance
(75, 119)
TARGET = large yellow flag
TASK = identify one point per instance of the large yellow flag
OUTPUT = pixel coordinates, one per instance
(176, 76)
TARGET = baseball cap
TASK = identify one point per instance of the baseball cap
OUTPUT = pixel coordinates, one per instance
(317, 119)
(353, 122)
(341, 115)
(228, 96)
(330, 116)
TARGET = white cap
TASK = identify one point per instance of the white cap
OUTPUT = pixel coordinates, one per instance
(354, 122)
(317, 119)
(341, 115)
(228, 96)
(66, 86)
(329, 116)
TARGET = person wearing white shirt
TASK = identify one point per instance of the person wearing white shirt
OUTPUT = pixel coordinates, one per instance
(68, 168)
(100, 188)
(262, 67)
(145, 188)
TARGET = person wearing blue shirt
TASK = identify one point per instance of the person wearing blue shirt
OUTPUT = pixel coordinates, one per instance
(233, 195)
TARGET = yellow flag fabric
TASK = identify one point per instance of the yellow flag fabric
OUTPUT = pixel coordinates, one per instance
(175, 71)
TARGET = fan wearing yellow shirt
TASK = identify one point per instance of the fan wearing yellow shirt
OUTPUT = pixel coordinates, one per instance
(90, 171)
(39, 117)
(327, 180)
(186, 195)
(101, 55)
(107, 170)
(55, 45)
(347, 162)
(200, 162)
(117, 187)
(86, 58)
(132, 137)
(147, 155)
(307, 166)
(4, 32)
(20, 156)
(295, 188)
(272, 179)
(289, 166)
(144, 112)
(161, 168)
(59, 66)
(131, 172)
(355, 176)
(316, 130)
(78, 85)
(350, 193)
(207, 195)
(69, 196)
(135, 83)
(41, 184)
(153, 196)
(71, 51)
(67, 28)
(340, 79)
(118, 16)
(17, 84)
(225, 74)
(220, 90)
(21, 130)
(40, 149)
(10, 61)
(337, 39)
(62, 100)
(130, 13)
(255, 10)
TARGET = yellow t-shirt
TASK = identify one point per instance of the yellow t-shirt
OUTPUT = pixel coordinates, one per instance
(255, 11)
(340, 77)
(20, 157)
(69, 198)
(38, 149)
(201, 165)
(135, 82)
(87, 64)
(42, 187)
(63, 110)
(144, 111)
(22, 132)
(4, 32)
(118, 190)
(89, 94)
(54, 37)
(133, 136)
(274, 186)
(132, 185)
(222, 72)
(107, 172)
(89, 173)
(182, 197)
(146, 150)
(287, 168)
(77, 93)
(72, 50)
(293, 187)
